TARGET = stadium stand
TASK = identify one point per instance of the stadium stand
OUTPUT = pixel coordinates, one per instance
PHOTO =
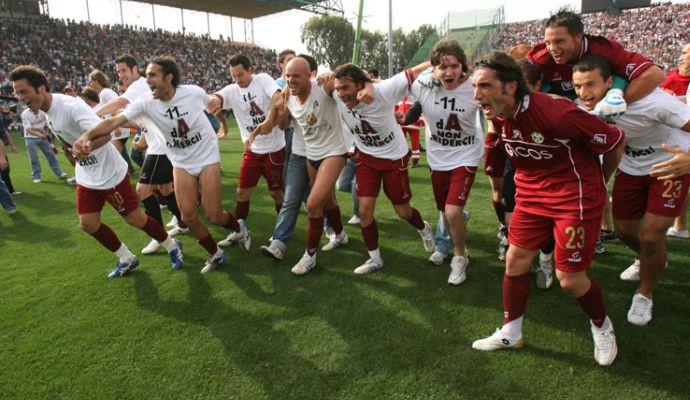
(658, 31)
(69, 50)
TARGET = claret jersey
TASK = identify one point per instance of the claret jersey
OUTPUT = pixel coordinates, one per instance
(554, 146)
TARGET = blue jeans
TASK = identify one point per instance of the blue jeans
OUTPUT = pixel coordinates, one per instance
(296, 189)
(135, 155)
(45, 147)
(346, 183)
(6, 197)
(442, 238)
(288, 148)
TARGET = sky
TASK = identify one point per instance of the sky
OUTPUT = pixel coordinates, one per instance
(281, 31)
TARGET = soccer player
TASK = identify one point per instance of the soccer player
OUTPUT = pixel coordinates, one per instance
(36, 135)
(382, 152)
(411, 129)
(454, 142)
(283, 58)
(101, 175)
(250, 98)
(643, 207)
(316, 113)
(156, 171)
(175, 113)
(677, 83)
(560, 184)
(565, 42)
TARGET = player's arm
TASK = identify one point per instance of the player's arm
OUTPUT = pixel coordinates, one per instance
(644, 84)
(412, 115)
(223, 130)
(89, 139)
(112, 106)
(141, 144)
(215, 103)
(611, 160)
(3, 157)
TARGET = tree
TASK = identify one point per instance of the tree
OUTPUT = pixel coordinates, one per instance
(374, 50)
(329, 39)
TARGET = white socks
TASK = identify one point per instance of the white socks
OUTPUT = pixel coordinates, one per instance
(513, 329)
(124, 254)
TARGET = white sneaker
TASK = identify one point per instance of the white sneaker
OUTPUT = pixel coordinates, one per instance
(632, 273)
(605, 348)
(173, 222)
(497, 341)
(672, 232)
(335, 241)
(151, 248)
(427, 237)
(545, 271)
(437, 258)
(305, 264)
(368, 267)
(71, 181)
(213, 262)
(178, 230)
(458, 270)
(275, 249)
(640, 312)
(355, 220)
(37, 181)
(242, 237)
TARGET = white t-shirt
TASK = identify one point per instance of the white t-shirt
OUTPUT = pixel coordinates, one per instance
(37, 121)
(647, 123)
(298, 145)
(320, 122)
(104, 97)
(454, 134)
(138, 88)
(375, 130)
(181, 123)
(69, 118)
(250, 106)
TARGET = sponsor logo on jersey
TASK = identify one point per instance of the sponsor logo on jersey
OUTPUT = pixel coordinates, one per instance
(517, 134)
(629, 69)
(311, 119)
(537, 137)
(526, 152)
(576, 257)
(567, 86)
(633, 153)
(599, 138)
(556, 77)
(670, 203)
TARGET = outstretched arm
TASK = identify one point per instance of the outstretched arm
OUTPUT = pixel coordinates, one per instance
(87, 142)
(112, 106)
(644, 84)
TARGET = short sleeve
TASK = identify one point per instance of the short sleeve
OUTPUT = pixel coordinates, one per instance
(392, 90)
(628, 64)
(200, 94)
(268, 85)
(666, 109)
(136, 89)
(26, 122)
(226, 96)
(135, 110)
(590, 131)
(84, 116)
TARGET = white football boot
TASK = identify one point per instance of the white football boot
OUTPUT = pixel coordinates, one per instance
(640, 312)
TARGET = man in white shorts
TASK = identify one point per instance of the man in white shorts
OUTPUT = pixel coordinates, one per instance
(175, 113)
(101, 175)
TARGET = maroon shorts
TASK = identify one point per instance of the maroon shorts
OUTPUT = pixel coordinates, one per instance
(576, 239)
(269, 165)
(452, 187)
(494, 162)
(370, 171)
(634, 196)
(121, 197)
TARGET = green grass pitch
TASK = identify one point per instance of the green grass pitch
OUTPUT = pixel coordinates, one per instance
(252, 330)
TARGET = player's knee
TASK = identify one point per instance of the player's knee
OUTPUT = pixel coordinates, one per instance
(404, 211)
(652, 237)
(216, 218)
(454, 215)
(189, 217)
(143, 191)
(89, 226)
(136, 218)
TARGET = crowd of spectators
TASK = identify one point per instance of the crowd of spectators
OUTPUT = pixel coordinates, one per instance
(658, 31)
(68, 51)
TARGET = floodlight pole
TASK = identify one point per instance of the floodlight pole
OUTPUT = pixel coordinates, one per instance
(122, 17)
(390, 38)
(88, 12)
(182, 15)
(153, 14)
(358, 35)
(208, 24)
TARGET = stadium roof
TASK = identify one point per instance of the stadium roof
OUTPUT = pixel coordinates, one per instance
(252, 9)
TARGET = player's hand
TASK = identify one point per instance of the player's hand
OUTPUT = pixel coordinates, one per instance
(399, 117)
(677, 166)
(427, 79)
(3, 164)
(250, 140)
(612, 106)
(213, 105)
(81, 148)
(325, 77)
(222, 133)
(366, 95)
